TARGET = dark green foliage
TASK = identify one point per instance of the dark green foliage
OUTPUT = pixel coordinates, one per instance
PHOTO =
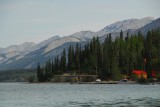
(71, 60)
(142, 80)
(38, 72)
(121, 35)
(63, 61)
(158, 77)
(108, 60)
(56, 65)
(77, 57)
(31, 79)
(19, 75)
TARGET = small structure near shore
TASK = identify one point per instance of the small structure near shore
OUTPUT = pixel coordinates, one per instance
(140, 73)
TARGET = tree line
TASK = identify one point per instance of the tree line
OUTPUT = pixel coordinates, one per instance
(108, 60)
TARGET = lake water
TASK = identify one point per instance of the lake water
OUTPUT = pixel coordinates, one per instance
(78, 95)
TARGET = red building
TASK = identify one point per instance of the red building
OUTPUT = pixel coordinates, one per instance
(140, 73)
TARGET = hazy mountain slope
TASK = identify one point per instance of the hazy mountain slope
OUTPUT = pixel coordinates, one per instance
(27, 46)
(15, 51)
(1, 50)
(12, 54)
(83, 35)
(127, 24)
(18, 48)
(131, 24)
(42, 55)
(45, 42)
(153, 25)
(59, 42)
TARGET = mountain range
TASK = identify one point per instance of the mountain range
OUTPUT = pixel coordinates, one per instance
(28, 54)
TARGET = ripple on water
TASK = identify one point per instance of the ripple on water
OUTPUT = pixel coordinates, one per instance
(144, 102)
(66, 95)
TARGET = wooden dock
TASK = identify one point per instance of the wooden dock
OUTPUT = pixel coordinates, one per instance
(101, 82)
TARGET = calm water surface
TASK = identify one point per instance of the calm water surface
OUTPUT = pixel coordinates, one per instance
(78, 95)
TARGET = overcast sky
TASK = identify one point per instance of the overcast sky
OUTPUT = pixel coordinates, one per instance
(37, 20)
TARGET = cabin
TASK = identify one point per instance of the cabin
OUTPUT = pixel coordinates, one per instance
(140, 73)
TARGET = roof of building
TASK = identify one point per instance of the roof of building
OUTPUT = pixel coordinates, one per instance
(139, 72)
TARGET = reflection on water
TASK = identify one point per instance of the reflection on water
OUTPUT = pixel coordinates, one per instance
(78, 95)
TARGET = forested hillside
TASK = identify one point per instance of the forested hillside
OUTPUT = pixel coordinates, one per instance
(108, 60)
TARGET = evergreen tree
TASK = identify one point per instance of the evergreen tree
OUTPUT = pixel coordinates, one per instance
(38, 72)
(121, 35)
(48, 70)
(115, 73)
(148, 53)
(63, 61)
(70, 58)
(77, 56)
(56, 65)
(53, 68)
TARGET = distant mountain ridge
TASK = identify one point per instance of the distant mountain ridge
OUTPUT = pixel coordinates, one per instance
(127, 24)
(53, 46)
(24, 47)
(130, 24)
(43, 43)
(154, 25)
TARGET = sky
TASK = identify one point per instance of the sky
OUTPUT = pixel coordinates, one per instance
(36, 20)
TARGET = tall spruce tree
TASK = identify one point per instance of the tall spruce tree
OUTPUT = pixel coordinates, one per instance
(63, 61)
(77, 57)
(38, 72)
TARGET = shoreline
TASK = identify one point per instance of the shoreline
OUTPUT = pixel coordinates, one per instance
(93, 82)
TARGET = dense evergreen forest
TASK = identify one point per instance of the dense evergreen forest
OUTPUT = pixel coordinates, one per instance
(17, 75)
(108, 60)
